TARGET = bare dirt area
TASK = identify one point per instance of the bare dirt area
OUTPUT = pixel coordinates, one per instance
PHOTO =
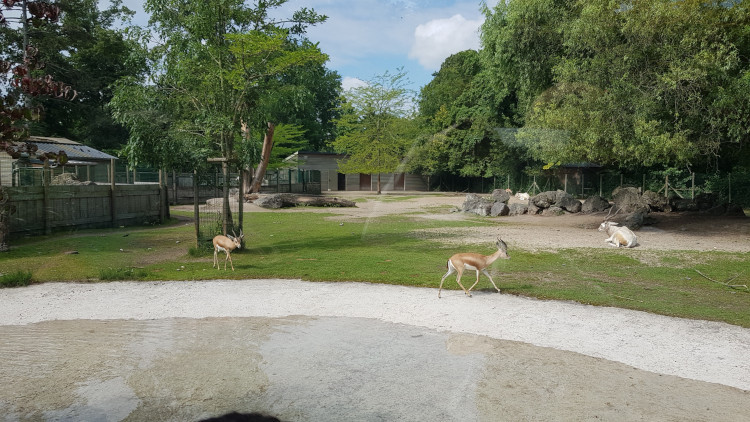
(670, 231)
(303, 351)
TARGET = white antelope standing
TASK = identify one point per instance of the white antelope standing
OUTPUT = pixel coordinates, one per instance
(618, 235)
(474, 261)
(226, 244)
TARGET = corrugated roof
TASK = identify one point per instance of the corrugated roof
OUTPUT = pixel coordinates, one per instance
(74, 150)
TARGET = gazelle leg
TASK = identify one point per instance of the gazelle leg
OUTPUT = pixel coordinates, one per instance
(458, 280)
(225, 260)
(450, 271)
(216, 259)
(475, 283)
(230, 261)
(491, 280)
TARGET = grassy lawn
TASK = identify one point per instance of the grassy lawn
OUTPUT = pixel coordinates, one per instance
(308, 246)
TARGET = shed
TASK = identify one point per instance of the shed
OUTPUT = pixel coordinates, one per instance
(332, 180)
(88, 163)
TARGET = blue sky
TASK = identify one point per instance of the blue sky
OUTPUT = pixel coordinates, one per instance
(365, 38)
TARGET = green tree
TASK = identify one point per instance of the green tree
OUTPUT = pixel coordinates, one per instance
(462, 114)
(84, 50)
(217, 69)
(375, 126)
(643, 83)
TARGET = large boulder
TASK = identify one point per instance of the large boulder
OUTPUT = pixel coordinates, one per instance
(558, 198)
(594, 204)
(518, 209)
(657, 202)
(477, 205)
(500, 195)
(275, 201)
(553, 210)
(544, 199)
(629, 200)
(683, 204)
(568, 203)
(734, 210)
(499, 208)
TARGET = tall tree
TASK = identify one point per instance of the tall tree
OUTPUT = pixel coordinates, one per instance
(633, 84)
(373, 126)
(462, 113)
(85, 50)
(218, 66)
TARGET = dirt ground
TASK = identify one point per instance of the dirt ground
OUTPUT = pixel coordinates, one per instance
(671, 231)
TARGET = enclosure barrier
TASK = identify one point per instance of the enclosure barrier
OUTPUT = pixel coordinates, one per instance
(41, 210)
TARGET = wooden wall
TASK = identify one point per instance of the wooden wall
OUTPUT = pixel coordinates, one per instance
(60, 207)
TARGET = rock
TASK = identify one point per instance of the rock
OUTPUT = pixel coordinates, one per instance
(629, 200)
(657, 202)
(558, 198)
(680, 204)
(633, 220)
(499, 209)
(553, 210)
(568, 203)
(705, 201)
(324, 201)
(735, 210)
(500, 195)
(594, 204)
(69, 179)
(276, 201)
(544, 199)
(477, 205)
(286, 200)
(716, 210)
(518, 209)
(533, 209)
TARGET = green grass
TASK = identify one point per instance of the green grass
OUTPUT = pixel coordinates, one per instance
(16, 279)
(393, 250)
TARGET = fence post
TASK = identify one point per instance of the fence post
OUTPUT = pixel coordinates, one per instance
(241, 198)
(566, 183)
(174, 185)
(112, 205)
(692, 189)
(46, 180)
(196, 213)
(601, 178)
(643, 184)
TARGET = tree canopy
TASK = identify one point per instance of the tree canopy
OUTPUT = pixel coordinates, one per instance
(218, 67)
(375, 125)
(640, 83)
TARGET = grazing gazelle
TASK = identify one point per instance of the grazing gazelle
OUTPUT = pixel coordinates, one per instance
(226, 244)
(474, 261)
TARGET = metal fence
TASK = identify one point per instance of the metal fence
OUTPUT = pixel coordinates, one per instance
(733, 187)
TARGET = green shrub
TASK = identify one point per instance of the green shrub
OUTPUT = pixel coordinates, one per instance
(16, 279)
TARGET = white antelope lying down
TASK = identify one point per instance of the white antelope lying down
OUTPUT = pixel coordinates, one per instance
(618, 235)
(474, 261)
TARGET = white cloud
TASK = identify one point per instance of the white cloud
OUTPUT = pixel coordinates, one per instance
(348, 83)
(437, 39)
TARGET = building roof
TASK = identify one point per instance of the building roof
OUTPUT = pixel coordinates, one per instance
(74, 150)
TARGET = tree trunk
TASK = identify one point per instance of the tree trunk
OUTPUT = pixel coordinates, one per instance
(265, 155)
(378, 183)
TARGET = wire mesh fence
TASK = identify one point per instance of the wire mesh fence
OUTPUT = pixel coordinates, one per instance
(733, 187)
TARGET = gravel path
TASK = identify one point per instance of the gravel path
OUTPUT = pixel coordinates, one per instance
(699, 350)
